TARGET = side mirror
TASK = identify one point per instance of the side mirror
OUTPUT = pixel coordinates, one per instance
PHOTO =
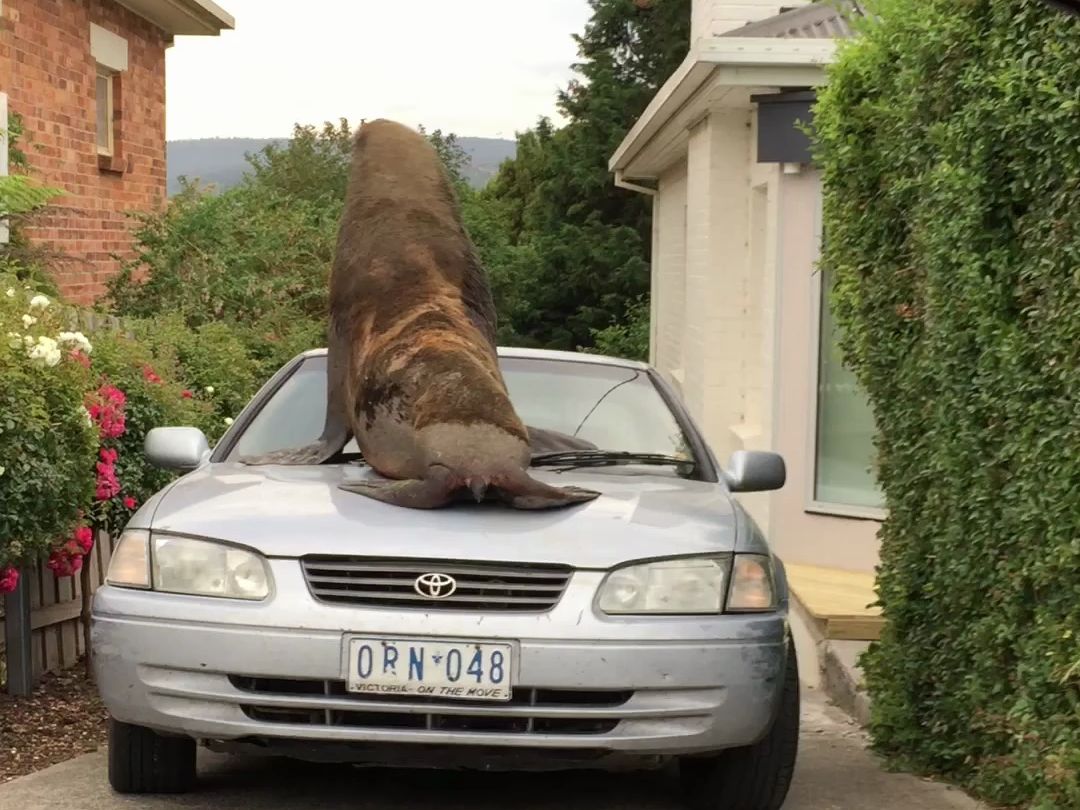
(755, 471)
(176, 448)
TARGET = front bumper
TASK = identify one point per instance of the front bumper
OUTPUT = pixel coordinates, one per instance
(273, 675)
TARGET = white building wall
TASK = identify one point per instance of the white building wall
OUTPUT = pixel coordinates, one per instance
(669, 273)
(714, 17)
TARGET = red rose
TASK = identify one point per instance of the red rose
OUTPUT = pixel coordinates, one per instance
(9, 579)
(185, 394)
(84, 538)
(130, 503)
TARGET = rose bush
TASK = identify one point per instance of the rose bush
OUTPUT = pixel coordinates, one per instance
(47, 439)
(74, 411)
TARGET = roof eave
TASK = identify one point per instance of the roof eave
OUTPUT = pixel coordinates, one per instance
(183, 17)
(752, 61)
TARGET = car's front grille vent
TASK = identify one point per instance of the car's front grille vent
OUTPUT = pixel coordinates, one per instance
(530, 711)
(504, 587)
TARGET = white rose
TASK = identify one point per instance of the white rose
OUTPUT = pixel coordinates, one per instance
(11, 292)
(78, 339)
(39, 302)
(46, 350)
(209, 389)
(28, 320)
(228, 421)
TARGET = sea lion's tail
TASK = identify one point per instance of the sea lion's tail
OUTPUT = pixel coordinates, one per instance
(442, 488)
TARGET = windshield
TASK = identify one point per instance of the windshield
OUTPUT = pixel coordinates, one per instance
(615, 408)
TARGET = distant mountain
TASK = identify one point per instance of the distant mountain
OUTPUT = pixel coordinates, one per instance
(221, 160)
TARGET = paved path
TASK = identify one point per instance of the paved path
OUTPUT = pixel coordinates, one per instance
(834, 773)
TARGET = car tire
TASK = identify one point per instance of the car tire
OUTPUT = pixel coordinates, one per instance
(758, 776)
(142, 761)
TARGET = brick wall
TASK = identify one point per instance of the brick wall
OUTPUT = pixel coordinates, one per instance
(48, 72)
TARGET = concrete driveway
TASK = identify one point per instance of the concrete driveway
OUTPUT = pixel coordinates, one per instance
(835, 773)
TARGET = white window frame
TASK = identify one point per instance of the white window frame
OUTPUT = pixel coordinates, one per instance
(811, 503)
(110, 101)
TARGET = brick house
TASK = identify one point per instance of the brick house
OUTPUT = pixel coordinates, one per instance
(87, 78)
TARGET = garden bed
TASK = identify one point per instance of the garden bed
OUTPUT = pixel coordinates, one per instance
(62, 719)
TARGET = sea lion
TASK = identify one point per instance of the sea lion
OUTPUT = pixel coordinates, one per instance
(413, 372)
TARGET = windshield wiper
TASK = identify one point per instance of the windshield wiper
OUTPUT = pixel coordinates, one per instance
(598, 458)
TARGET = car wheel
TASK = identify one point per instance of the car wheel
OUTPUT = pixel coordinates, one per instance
(142, 761)
(758, 776)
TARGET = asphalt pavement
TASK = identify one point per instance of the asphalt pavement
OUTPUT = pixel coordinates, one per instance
(835, 772)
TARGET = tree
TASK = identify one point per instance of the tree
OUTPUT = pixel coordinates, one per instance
(582, 244)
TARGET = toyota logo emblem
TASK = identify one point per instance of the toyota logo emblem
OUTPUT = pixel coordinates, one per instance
(435, 586)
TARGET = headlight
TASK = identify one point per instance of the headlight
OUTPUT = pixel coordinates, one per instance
(130, 563)
(691, 585)
(752, 586)
(183, 565)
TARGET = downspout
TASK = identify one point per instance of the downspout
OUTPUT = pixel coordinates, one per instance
(648, 192)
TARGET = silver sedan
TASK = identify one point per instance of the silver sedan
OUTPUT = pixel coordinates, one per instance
(265, 609)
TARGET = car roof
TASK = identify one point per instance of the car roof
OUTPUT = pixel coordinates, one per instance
(544, 354)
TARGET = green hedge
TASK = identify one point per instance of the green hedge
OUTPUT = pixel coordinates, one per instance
(949, 137)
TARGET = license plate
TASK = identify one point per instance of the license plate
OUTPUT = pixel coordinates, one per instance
(430, 668)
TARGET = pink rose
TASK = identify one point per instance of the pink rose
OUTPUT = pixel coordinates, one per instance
(84, 538)
(9, 579)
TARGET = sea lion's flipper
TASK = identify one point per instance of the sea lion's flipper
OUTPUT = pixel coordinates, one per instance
(414, 493)
(525, 492)
(336, 432)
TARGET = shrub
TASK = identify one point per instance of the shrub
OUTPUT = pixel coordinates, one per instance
(47, 443)
(950, 148)
(154, 397)
(74, 412)
(630, 338)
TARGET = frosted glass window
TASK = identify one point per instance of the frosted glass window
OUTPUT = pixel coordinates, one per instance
(845, 453)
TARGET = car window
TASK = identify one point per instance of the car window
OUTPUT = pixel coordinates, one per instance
(613, 407)
(292, 417)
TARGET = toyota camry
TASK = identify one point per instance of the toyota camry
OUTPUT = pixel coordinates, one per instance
(264, 609)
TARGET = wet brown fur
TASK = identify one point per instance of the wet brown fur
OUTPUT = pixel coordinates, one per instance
(423, 315)
(412, 340)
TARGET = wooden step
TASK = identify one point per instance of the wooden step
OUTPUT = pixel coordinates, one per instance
(838, 601)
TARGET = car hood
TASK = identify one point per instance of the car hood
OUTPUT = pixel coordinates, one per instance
(293, 511)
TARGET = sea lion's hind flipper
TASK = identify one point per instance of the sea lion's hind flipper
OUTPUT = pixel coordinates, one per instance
(414, 493)
(525, 492)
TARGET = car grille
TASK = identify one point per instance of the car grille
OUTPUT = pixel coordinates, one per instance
(479, 586)
(515, 716)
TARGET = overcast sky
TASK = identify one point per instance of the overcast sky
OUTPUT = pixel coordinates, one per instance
(480, 67)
